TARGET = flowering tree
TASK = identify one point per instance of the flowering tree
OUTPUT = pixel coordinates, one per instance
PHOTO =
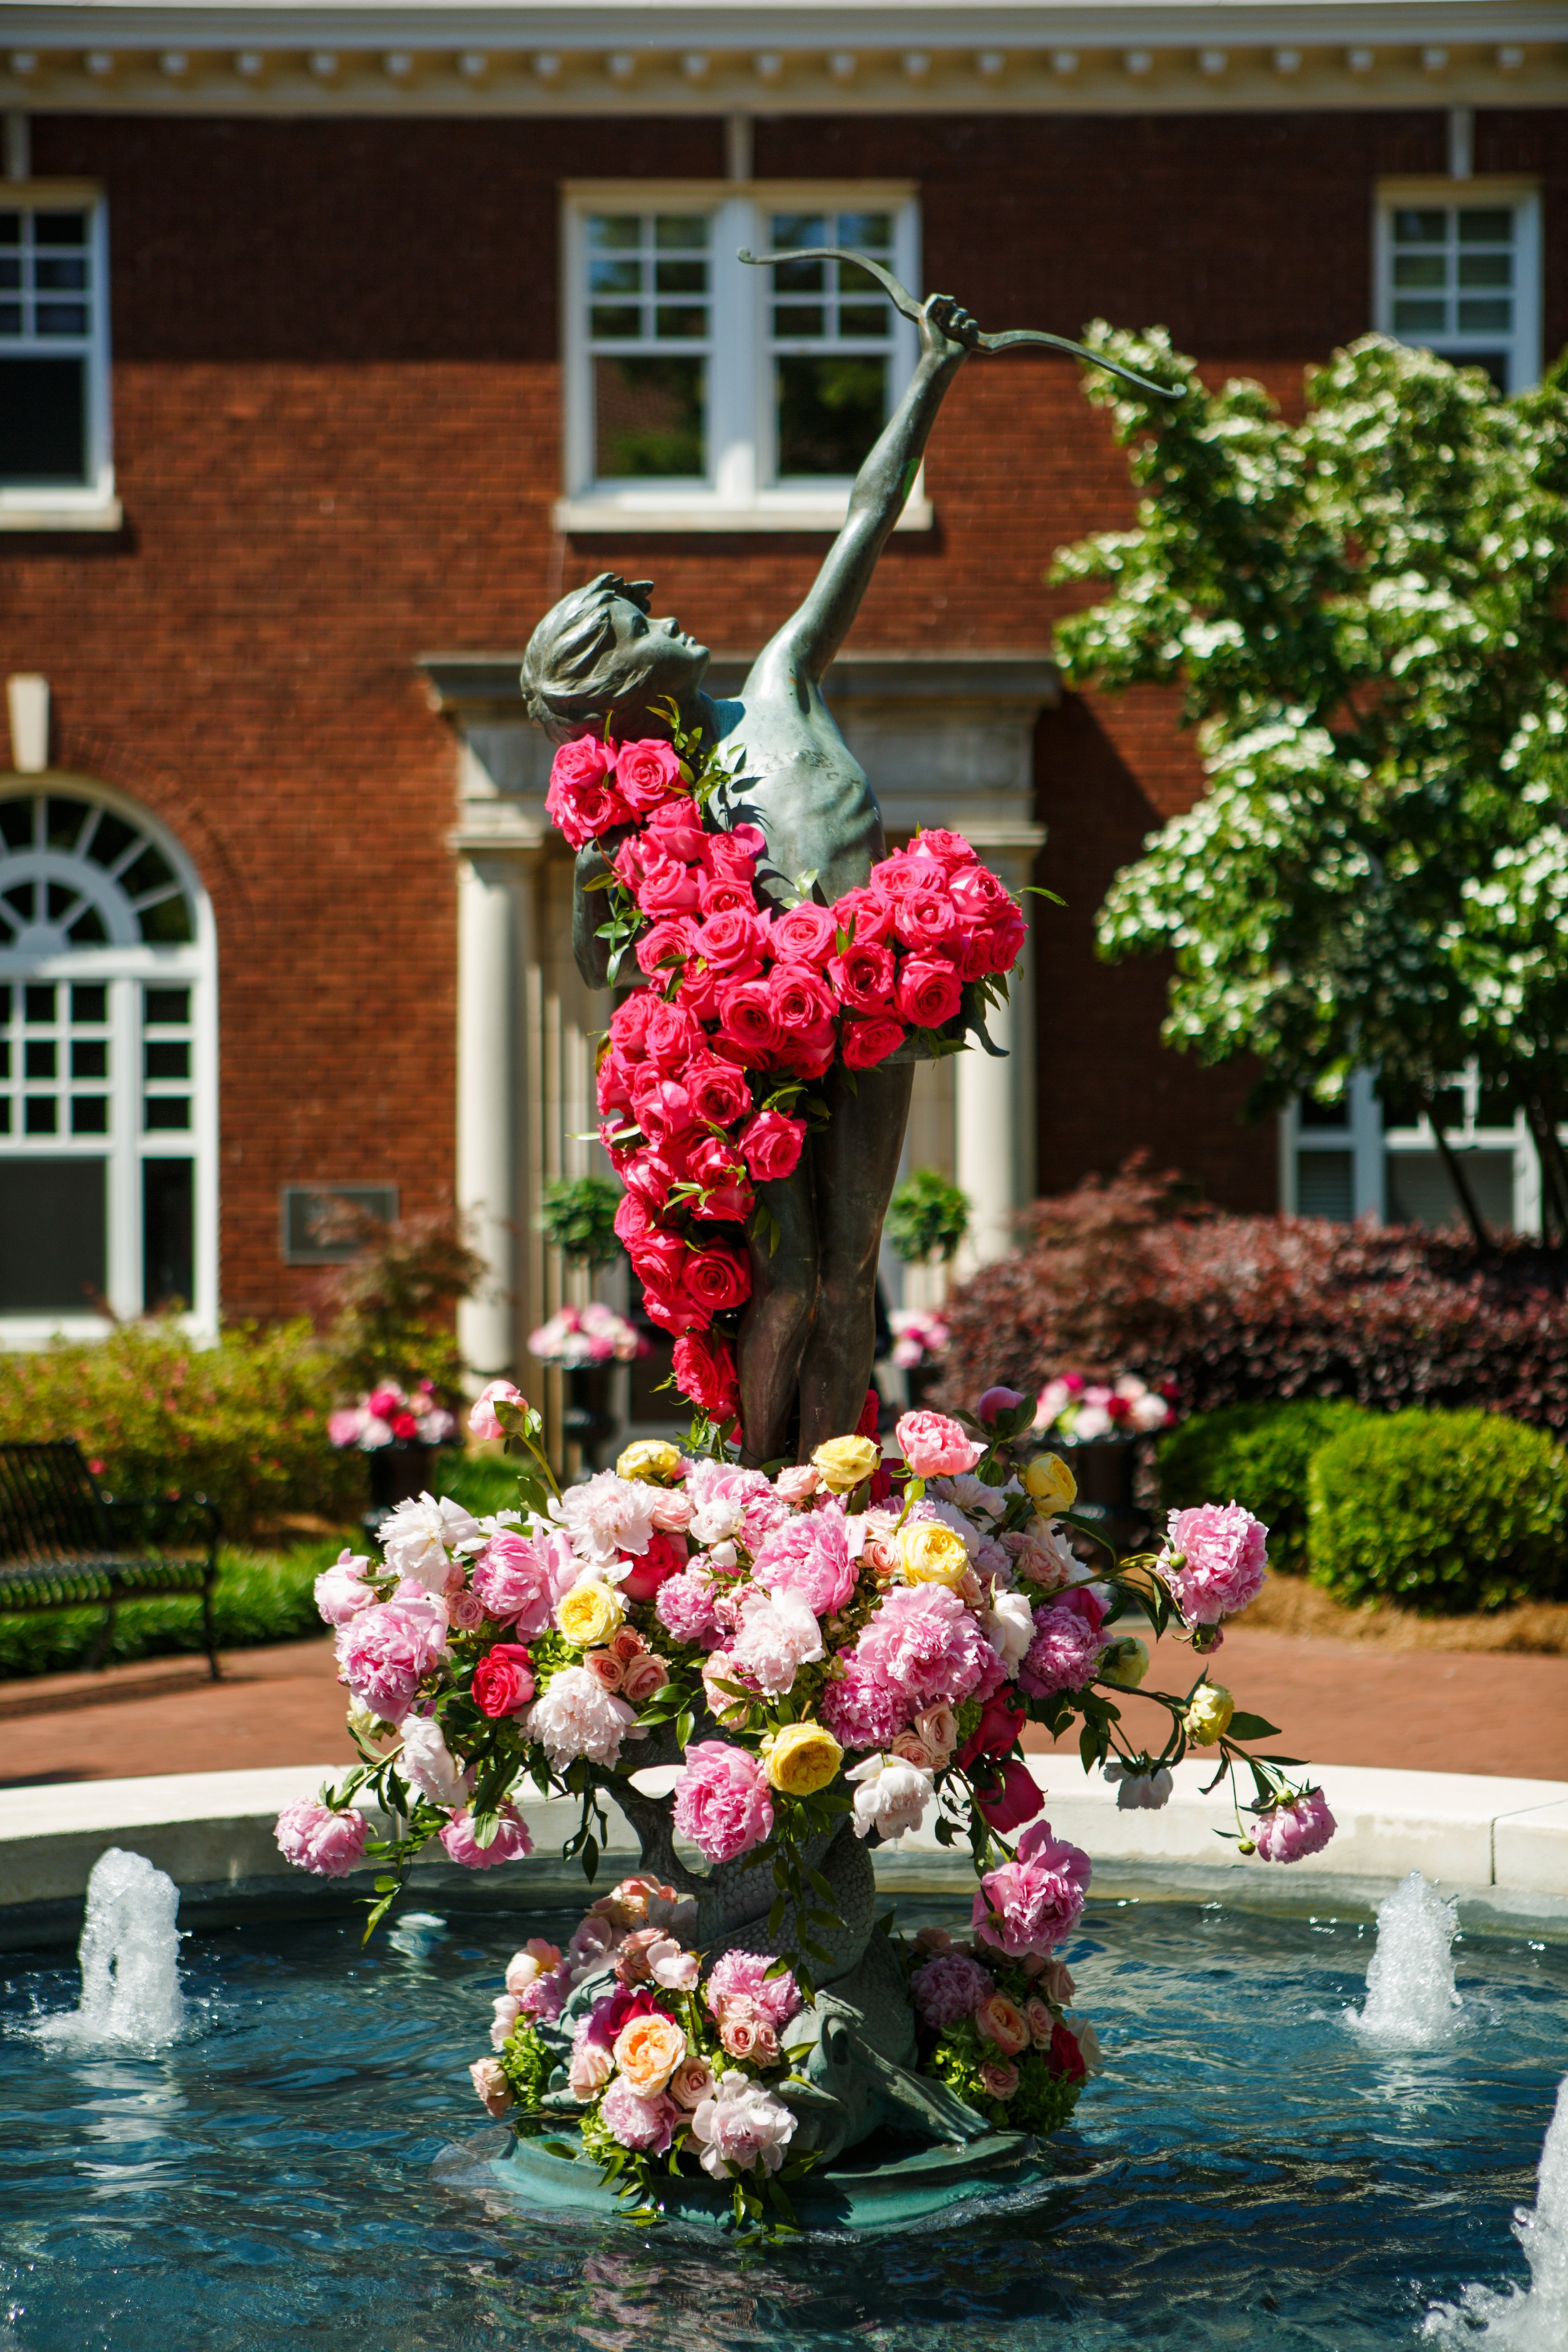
(1364, 614)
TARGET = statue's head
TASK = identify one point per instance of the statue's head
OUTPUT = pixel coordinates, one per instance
(598, 655)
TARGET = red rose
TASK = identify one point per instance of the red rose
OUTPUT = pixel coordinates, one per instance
(503, 1681)
(719, 1092)
(772, 1144)
(676, 829)
(667, 886)
(719, 1278)
(800, 997)
(746, 1016)
(1008, 1795)
(997, 1729)
(866, 915)
(927, 918)
(928, 991)
(647, 773)
(1063, 2057)
(661, 1104)
(665, 1556)
(866, 1043)
(806, 934)
(736, 937)
(705, 1371)
(628, 1024)
(863, 975)
(665, 944)
(721, 894)
(404, 1424)
(658, 1260)
(633, 1216)
(673, 1038)
(950, 849)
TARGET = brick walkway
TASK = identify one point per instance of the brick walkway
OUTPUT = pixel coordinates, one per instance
(1335, 1703)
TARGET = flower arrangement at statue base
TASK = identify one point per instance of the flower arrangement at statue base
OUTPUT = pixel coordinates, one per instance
(830, 1655)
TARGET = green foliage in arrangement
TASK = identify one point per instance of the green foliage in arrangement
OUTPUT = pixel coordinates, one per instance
(259, 1598)
(927, 1218)
(577, 1216)
(1365, 615)
(1439, 1512)
(243, 1422)
(1257, 1454)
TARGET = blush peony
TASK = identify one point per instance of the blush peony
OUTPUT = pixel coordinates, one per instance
(1031, 1904)
(575, 1716)
(722, 1800)
(741, 2125)
(1292, 1831)
(512, 1840)
(1215, 1561)
(313, 1838)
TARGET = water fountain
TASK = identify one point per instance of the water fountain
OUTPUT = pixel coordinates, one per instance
(1411, 2001)
(1534, 2320)
(128, 1956)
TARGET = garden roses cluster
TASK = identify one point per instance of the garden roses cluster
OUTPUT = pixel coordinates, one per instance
(745, 1005)
(388, 1415)
(995, 2029)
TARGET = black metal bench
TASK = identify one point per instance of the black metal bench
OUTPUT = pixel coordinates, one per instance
(65, 1544)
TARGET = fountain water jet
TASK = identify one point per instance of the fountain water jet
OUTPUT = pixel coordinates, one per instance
(1537, 2319)
(1411, 2002)
(129, 1955)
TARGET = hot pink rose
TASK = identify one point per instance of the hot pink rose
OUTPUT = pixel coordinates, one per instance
(800, 997)
(867, 914)
(672, 1037)
(648, 773)
(735, 941)
(1032, 1903)
(772, 1144)
(928, 991)
(313, 1838)
(928, 921)
(660, 1102)
(717, 1090)
(748, 1018)
(666, 888)
(665, 944)
(511, 1842)
(665, 1556)
(735, 852)
(978, 894)
(722, 1800)
(705, 1371)
(935, 1447)
(863, 975)
(866, 1043)
(806, 934)
(628, 1024)
(720, 894)
(503, 1680)
(580, 799)
(674, 826)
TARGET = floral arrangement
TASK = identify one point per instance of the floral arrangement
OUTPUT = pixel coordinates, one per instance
(1075, 1407)
(704, 1077)
(388, 1415)
(995, 2027)
(838, 1640)
(594, 1334)
(917, 1337)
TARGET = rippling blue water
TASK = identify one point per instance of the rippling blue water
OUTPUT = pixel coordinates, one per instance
(1247, 2177)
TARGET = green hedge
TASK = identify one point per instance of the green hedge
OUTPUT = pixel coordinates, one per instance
(1257, 1454)
(244, 1421)
(1442, 1512)
(259, 1598)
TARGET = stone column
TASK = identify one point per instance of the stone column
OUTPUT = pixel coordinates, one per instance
(993, 1106)
(488, 975)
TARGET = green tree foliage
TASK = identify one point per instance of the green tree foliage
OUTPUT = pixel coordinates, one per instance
(577, 1215)
(1439, 1512)
(1365, 614)
(927, 1218)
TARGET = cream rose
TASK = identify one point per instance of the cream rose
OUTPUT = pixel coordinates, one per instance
(1209, 1711)
(589, 1614)
(846, 1462)
(801, 1758)
(1051, 1484)
(650, 1460)
(932, 1554)
(647, 2050)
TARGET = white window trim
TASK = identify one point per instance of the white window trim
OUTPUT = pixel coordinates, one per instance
(195, 962)
(1524, 196)
(733, 500)
(94, 507)
(1373, 1145)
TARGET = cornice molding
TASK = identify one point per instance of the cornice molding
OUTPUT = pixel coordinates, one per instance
(772, 57)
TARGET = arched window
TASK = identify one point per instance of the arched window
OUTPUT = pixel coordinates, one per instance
(108, 1065)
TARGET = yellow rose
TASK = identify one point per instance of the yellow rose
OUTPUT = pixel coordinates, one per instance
(801, 1758)
(1051, 1483)
(651, 1460)
(933, 1553)
(844, 1461)
(1125, 1664)
(588, 1614)
(1209, 1711)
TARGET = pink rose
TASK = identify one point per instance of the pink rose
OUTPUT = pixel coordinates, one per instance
(997, 2079)
(590, 2068)
(605, 1668)
(490, 2080)
(797, 1482)
(1031, 1904)
(866, 1043)
(482, 1422)
(643, 1677)
(692, 2083)
(648, 773)
(511, 1843)
(1223, 1552)
(314, 1838)
(928, 991)
(935, 1447)
(386, 1651)
(1042, 2025)
(771, 1144)
(503, 1680)
(806, 934)
(722, 1800)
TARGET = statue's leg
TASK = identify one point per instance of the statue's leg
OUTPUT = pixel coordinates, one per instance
(856, 1161)
(776, 1324)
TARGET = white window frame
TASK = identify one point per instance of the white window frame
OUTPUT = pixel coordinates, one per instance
(127, 971)
(1373, 1144)
(93, 506)
(737, 494)
(1523, 199)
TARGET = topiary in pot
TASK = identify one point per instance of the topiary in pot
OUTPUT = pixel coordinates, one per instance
(1440, 1512)
(1261, 1451)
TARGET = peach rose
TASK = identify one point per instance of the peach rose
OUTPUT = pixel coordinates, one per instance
(626, 1645)
(642, 1678)
(648, 2051)
(997, 2080)
(881, 1555)
(489, 2081)
(672, 1514)
(632, 1963)
(1055, 1982)
(938, 1726)
(910, 1748)
(606, 1669)
(535, 1960)
(692, 2083)
(933, 1939)
(1041, 2022)
(1001, 2020)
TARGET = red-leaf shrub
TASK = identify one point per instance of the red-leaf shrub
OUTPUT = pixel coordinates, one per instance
(1123, 1276)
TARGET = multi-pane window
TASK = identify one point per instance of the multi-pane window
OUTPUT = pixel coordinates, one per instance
(1460, 277)
(832, 345)
(702, 391)
(53, 349)
(107, 1169)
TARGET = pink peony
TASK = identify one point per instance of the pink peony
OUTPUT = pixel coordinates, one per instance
(341, 1592)
(923, 1646)
(775, 1640)
(511, 1842)
(1292, 1831)
(950, 1986)
(646, 2125)
(1066, 1645)
(386, 1651)
(482, 1421)
(1030, 1905)
(1224, 1558)
(685, 1605)
(722, 1800)
(313, 1838)
(520, 1580)
(742, 2127)
(743, 1975)
(935, 1447)
(807, 1559)
(861, 1710)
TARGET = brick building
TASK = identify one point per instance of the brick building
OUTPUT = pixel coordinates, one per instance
(335, 341)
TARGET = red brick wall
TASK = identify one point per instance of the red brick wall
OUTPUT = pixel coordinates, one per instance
(337, 438)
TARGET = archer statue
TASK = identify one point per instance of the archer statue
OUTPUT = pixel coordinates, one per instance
(598, 663)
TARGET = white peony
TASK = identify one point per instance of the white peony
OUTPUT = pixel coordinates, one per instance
(418, 1536)
(1139, 1791)
(577, 1716)
(427, 1763)
(970, 1494)
(776, 1639)
(741, 2124)
(890, 1796)
(605, 1516)
(1009, 1626)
